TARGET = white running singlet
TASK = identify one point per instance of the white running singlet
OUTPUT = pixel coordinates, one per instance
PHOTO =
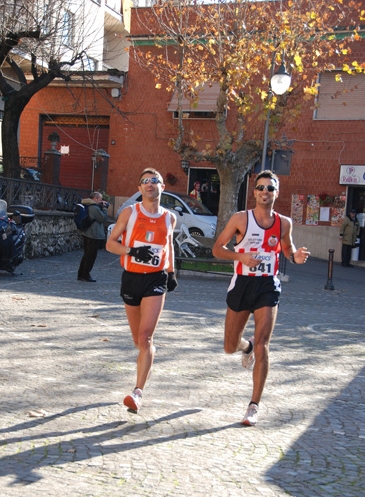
(264, 244)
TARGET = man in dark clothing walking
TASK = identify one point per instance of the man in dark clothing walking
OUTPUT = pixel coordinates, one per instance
(349, 231)
(92, 236)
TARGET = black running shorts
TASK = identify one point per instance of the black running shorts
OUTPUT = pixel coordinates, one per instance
(248, 293)
(136, 286)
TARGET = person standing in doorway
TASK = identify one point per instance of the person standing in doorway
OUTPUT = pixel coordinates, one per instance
(349, 231)
(195, 193)
(261, 234)
(93, 236)
(147, 255)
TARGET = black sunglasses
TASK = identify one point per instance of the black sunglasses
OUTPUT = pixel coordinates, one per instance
(145, 181)
(269, 188)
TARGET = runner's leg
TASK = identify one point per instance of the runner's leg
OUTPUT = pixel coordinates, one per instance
(234, 327)
(143, 320)
(265, 318)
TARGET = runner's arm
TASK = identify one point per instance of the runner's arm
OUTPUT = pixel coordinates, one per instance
(236, 226)
(171, 245)
(113, 244)
(298, 256)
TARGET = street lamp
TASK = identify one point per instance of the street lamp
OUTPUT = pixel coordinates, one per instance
(279, 84)
(185, 164)
(280, 81)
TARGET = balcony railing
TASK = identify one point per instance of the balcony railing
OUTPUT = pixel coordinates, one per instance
(40, 195)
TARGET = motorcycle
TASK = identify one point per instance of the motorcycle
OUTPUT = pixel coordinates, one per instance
(12, 234)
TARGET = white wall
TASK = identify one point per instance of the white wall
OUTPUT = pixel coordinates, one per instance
(318, 240)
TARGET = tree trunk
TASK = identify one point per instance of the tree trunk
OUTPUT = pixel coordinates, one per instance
(230, 181)
(9, 136)
(232, 173)
(14, 106)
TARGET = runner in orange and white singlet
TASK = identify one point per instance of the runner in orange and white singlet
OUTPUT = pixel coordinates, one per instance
(144, 228)
(147, 254)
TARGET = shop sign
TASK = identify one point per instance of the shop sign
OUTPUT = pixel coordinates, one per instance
(352, 175)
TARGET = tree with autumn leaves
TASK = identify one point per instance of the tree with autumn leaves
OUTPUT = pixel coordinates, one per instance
(236, 45)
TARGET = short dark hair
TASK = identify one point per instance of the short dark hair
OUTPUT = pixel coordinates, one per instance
(151, 170)
(267, 174)
(95, 194)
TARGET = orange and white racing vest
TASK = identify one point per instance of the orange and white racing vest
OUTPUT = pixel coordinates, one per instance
(144, 228)
(264, 244)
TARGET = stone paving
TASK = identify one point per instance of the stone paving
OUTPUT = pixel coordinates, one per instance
(67, 361)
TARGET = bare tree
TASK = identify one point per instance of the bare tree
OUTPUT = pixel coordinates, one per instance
(40, 40)
(236, 45)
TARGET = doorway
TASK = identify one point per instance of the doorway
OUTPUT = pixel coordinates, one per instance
(83, 139)
(356, 200)
(209, 186)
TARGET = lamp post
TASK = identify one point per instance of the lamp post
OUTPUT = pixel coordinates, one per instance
(279, 84)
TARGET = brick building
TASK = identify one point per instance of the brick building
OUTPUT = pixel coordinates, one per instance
(133, 124)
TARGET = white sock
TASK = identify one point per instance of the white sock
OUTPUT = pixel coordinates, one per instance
(244, 345)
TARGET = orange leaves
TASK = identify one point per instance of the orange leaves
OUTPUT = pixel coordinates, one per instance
(311, 90)
(298, 62)
(235, 43)
(264, 94)
(354, 68)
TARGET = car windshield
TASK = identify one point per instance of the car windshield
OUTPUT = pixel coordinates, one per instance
(196, 206)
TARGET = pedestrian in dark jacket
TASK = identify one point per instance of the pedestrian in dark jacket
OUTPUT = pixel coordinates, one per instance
(349, 231)
(93, 236)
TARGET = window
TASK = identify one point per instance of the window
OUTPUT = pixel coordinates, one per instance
(340, 100)
(204, 107)
(90, 64)
(68, 28)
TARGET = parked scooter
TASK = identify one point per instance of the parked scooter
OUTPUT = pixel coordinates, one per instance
(12, 234)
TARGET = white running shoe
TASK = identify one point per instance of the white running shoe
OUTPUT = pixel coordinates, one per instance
(248, 360)
(134, 400)
(251, 416)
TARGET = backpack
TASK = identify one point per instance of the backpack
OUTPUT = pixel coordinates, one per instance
(81, 217)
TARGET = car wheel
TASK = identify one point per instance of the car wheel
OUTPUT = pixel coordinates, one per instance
(196, 232)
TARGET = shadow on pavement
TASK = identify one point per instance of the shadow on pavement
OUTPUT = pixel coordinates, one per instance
(329, 458)
(24, 464)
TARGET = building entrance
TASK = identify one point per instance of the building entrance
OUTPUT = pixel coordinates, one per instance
(356, 200)
(209, 186)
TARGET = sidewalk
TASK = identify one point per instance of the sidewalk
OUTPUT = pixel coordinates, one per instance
(67, 361)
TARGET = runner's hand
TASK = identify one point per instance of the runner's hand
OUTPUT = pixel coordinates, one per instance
(143, 253)
(171, 282)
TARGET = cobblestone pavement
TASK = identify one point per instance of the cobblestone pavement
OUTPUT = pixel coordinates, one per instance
(67, 361)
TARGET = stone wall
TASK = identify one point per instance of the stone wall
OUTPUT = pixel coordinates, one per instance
(54, 233)
(51, 233)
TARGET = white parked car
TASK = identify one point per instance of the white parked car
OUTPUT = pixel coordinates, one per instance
(198, 218)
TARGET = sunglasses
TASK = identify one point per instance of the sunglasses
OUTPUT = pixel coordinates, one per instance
(145, 181)
(269, 188)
